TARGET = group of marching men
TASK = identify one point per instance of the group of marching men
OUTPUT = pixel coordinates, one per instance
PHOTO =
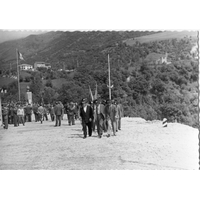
(96, 116)
(103, 116)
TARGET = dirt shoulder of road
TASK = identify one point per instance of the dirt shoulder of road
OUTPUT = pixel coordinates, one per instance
(139, 145)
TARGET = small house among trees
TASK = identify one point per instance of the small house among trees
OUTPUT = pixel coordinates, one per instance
(26, 67)
(41, 65)
(157, 58)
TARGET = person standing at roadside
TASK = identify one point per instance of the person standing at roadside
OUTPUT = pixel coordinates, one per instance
(63, 110)
(15, 117)
(28, 112)
(117, 115)
(46, 112)
(20, 115)
(5, 113)
(35, 111)
(86, 114)
(71, 114)
(113, 117)
(120, 114)
(11, 114)
(41, 113)
(51, 112)
(108, 118)
(94, 122)
(58, 109)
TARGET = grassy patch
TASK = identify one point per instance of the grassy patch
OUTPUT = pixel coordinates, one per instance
(161, 36)
(4, 81)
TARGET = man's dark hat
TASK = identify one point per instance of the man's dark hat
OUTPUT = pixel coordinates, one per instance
(95, 101)
(84, 100)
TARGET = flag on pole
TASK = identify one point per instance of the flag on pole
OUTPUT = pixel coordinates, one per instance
(20, 56)
(91, 93)
(95, 95)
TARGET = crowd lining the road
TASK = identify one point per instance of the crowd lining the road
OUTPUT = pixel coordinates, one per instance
(98, 115)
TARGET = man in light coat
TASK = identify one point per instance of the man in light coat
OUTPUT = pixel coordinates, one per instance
(100, 117)
(120, 112)
(113, 116)
(20, 114)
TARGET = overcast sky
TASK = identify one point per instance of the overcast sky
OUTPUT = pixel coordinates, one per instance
(6, 35)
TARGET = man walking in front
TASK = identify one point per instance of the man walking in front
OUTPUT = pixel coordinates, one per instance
(100, 114)
(58, 112)
(86, 114)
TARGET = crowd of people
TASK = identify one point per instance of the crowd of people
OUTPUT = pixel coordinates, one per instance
(99, 116)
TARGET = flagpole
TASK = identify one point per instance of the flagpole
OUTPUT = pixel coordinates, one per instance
(96, 94)
(109, 77)
(18, 75)
(91, 93)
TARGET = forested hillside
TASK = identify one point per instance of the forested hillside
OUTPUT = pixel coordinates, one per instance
(146, 88)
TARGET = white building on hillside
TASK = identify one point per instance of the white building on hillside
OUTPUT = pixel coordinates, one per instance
(156, 58)
(26, 67)
(41, 65)
(194, 51)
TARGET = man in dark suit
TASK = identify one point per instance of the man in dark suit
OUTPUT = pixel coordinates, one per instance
(58, 112)
(5, 112)
(86, 114)
(28, 112)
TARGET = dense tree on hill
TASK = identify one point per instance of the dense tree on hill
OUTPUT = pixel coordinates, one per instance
(153, 92)
(36, 87)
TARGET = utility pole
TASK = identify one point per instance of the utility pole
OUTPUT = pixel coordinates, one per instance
(18, 75)
(109, 86)
(10, 70)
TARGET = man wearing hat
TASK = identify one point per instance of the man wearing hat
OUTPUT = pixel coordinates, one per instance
(86, 114)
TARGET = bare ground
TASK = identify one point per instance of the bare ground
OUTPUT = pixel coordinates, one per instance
(139, 145)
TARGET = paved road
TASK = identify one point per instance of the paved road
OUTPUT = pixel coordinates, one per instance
(139, 145)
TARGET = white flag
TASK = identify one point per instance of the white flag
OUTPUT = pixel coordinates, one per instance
(20, 56)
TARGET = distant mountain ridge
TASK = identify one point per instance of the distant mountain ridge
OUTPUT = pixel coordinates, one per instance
(53, 46)
(7, 35)
(56, 46)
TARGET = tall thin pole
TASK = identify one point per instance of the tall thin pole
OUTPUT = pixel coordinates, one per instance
(10, 70)
(18, 75)
(109, 86)
(1, 116)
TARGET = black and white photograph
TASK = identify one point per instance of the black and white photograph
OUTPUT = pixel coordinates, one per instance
(99, 100)
(103, 98)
